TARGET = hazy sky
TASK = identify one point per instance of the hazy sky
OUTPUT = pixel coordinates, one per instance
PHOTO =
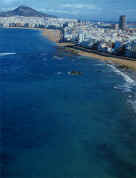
(90, 9)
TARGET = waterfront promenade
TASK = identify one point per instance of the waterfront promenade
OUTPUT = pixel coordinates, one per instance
(55, 35)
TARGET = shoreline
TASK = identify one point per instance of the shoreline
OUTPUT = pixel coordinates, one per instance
(122, 63)
(55, 35)
(52, 35)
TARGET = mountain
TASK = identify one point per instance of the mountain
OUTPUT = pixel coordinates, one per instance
(24, 11)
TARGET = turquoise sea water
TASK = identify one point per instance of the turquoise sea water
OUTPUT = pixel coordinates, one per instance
(54, 125)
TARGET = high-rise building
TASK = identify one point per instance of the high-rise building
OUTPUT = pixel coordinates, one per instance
(122, 22)
(116, 26)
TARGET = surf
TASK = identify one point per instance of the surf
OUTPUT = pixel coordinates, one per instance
(128, 79)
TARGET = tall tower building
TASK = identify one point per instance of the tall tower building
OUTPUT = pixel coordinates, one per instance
(122, 22)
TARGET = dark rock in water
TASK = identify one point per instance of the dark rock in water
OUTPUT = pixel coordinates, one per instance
(109, 62)
(75, 72)
(99, 71)
(122, 67)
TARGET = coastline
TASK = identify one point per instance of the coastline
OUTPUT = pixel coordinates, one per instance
(122, 63)
(54, 35)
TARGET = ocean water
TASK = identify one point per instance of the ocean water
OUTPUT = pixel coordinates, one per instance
(56, 125)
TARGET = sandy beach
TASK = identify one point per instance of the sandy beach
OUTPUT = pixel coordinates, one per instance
(54, 35)
(121, 62)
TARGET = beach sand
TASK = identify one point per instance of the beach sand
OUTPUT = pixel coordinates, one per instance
(54, 35)
(120, 62)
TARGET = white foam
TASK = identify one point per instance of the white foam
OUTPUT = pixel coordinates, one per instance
(6, 54)
(126, 88)
(125, 76)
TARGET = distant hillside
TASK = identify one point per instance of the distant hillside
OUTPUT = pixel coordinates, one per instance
(24, 11)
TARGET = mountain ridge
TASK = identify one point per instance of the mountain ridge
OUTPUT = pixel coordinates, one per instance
(24, 11)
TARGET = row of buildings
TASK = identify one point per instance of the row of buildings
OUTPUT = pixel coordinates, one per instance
(21, 21)
(115, 39)
(119, 41)
(34, 22)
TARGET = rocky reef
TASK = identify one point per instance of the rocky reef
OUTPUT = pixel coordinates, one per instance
(73, 72)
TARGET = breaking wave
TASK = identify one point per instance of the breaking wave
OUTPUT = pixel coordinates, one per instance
(125, 76)
(128, 87)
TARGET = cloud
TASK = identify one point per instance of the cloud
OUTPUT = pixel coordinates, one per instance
(80, 6)
(73, 9)
(58, 11)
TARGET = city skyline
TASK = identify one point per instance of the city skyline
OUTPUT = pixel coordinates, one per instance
(87, 9)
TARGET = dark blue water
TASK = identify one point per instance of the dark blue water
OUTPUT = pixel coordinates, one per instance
(55, 125)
